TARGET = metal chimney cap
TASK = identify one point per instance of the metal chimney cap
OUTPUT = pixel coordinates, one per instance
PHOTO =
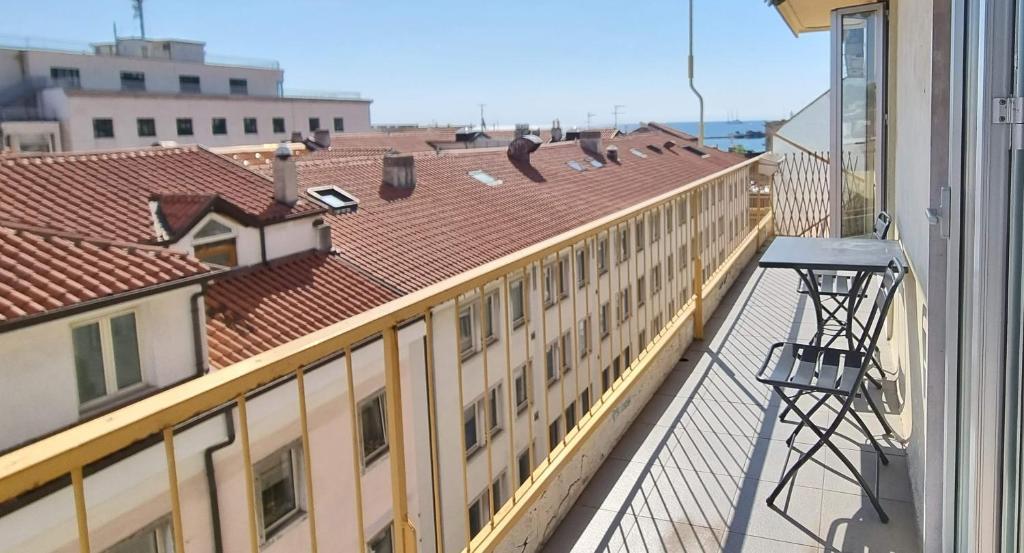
(283, 151)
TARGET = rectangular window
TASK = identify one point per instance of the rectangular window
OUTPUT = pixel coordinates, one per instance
(249, 125)
(550, 359)
(467, 326)
(640, 234)
(549, 284)
(657, 323)
(623, 244)
(563, 276)
(497, 493)
(146, 126)
(479, 514)
(314, 124)
(616, 368)
(184, 125)
(133, 80)
(642, 336)
(154, 538)
(624, 304)
(570, 416)
(106, 356)
(669, 210)
(602, 255)
(656, 279)
(492, 312)
(471, 429)
(641, 290)
(582, 268)
(603, 319)
(278, 123)
(219, 125)
(381, 542)
(566, 351)
(339, 124)
(625, 356)
(494, 403)
(188, 84)
(516, 302)
(522, 389)
(221, 252)
(605, 379)
(524, 466)
(278, 491)
(373, 428)
(583, 336)
(103, 128)
(585, 400)
(670, 265)
(655, 226)
(554, 433)
(66, 77)
(238, 86)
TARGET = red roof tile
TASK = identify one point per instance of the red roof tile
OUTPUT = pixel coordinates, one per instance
(251, 311)
(42, 271)
(107, 194)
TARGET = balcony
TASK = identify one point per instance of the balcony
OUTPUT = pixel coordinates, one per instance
(693, 470)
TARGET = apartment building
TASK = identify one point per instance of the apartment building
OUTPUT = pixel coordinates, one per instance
(281, 254)
(134, 92)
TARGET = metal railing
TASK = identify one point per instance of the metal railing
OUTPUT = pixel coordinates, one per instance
(583, 311)
(322, 94)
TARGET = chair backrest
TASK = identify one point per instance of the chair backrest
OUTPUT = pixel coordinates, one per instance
(882, 223)
(891, 279)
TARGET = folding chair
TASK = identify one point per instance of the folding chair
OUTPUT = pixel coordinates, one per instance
(794, 370)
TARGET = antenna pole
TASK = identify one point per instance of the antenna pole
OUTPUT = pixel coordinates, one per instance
(589, 116)
(483, 124)
(700, 99)
(137, 7)
(615, 112)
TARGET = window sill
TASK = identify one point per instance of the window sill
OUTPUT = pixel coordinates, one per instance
(119, 398)
(374, 458)
(518, 323)
(522, 408)
(552, 381)
(468, 354)
(279, 530)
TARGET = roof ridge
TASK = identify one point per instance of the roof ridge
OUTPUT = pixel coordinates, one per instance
(72, 156)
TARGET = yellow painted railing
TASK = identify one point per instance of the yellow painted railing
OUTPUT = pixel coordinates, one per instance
(609, 289)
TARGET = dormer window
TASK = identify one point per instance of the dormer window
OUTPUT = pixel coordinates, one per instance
(215, 243)
(334, 198)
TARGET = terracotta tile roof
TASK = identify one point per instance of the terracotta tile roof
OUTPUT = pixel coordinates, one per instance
(251, 311)
(42, 271)
(107, 194)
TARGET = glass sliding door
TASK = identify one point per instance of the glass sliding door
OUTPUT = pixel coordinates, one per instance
(857, 142)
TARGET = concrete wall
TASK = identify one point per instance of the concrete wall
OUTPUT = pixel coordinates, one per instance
(38, 373)
(126, 108)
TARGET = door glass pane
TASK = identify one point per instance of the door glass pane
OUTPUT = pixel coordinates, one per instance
(89, 362)
(126, 350)
(860, 102)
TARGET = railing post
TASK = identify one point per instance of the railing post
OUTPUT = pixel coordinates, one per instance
(404, 540)
(698, 271)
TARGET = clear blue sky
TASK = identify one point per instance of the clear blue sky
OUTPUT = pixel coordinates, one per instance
(529, 61)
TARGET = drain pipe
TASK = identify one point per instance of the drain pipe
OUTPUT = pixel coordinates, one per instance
(700, 99)
(211, 479)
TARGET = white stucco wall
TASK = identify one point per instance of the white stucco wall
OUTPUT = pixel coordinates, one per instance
(38, 368)
(281, 239)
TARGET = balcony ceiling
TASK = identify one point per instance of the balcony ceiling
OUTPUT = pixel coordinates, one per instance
(805, 16)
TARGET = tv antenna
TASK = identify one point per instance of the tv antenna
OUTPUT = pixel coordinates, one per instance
(616, 110)
(140, 15)
(589, 116)
(483, 124)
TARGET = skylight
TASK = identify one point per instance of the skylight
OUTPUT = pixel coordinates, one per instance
(637, 152)
(484, 177)
(595, 163)
(575, 165)
(334, 197)
(697, 151)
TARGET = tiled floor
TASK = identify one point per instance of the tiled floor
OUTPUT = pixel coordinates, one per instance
(693, 472)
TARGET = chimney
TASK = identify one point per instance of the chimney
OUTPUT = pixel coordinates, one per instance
(522, 129)
(296, 136)
(400, 170)
(286, 179)
(556, 131)
(612, 153)
(521, 148)
(323, 235)
(591, 141)
(322, 137)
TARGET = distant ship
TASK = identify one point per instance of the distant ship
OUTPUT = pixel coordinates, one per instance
(733, 120)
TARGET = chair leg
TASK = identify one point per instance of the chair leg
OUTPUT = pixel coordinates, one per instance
(800, 424)
(874, 443)
(876, 410)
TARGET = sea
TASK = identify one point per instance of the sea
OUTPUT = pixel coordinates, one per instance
(716, 133)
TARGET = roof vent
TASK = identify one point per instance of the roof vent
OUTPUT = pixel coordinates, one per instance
(286, 179)
(612, 153)
(322, 137)
(400, 170)
(521, 148)
(669, 144)
(296, 136)
(323, 235)
(466, 134)
(591, 141)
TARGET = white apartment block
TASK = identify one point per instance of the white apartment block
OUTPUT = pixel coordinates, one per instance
(136, 92)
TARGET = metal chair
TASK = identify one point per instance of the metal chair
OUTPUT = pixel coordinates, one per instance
(794, 370)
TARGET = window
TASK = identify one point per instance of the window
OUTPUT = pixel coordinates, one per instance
(585, 400)
(583, 336)
(106, 356)
(314, 124)
(497, 493)
(605, 380)
(471, 429)
(623, 244)
(642, 336)
(491, 313)
(381, 542)
(373, 427)
(575, 165)
(637, 152)
(566, 351)
(656, 279)
(249, 125)
(603, 325)
(103, 128)
(669, 210)
(549, 284)
(570, 415)
(624, 304)
(484, 177)
(640, 234)
(479, 514)
(616, 368)
(524, 466)
(602, 255)
(238, 86)
(641, 290)
(146, 126)
(278, 491)
(494, 404)
(339, 124)
(655, 226)
(582, 272)
(467, 326)
(219, 125)
(516, 303)
(133, 80)
(335, 198)
(563, 276)
(554, 433)
(154, 538)
(215, 243)
(278, 124)
(625, 357)
(184, 126)
(657, 322)
(522, 389)
(670, 265)
(66, 77)
(188, 84)
(550, 359)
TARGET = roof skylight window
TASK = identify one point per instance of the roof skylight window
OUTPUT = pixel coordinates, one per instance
(575, 165)
(334, 198)
(637, 152)
(697, 151)
(595, 163)
(484, 177)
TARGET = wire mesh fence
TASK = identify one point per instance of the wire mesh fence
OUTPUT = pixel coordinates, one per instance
(800, 194)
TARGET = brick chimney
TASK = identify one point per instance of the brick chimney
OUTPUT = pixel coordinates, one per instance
(399, 171)
(286, 178)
